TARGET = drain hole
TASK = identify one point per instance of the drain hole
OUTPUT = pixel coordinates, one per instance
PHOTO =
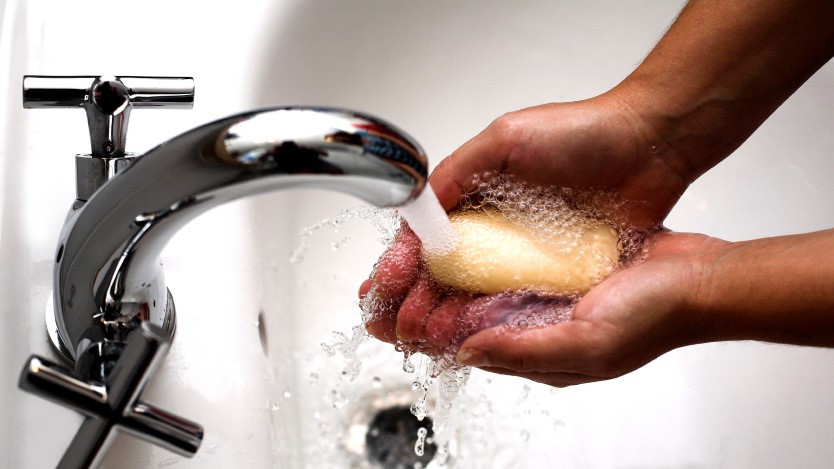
(391, 438)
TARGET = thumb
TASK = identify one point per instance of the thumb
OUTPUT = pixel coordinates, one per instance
(564, 347)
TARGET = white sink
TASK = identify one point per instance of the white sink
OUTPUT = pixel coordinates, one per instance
(442, 71)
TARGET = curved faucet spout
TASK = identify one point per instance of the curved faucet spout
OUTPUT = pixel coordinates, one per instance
(108, 278)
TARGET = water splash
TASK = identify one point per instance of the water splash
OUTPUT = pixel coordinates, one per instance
(385, 221)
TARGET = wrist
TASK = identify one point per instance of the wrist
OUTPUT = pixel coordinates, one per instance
(722, 69)
(772, 289)
(684, 132)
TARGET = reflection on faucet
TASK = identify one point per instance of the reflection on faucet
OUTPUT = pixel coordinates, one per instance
(109, 288)
(108, 275)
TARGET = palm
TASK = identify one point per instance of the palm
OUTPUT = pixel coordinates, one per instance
(628, 320)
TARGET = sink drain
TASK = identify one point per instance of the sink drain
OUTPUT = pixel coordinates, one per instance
(391, 438)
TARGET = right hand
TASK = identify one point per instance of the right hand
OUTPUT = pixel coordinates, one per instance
(597, 144)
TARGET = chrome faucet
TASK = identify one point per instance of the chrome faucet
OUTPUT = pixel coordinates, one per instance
(113, 315)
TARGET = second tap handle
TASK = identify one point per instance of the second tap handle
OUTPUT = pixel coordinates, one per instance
(175, 92)
(107, 101)
(43, 91)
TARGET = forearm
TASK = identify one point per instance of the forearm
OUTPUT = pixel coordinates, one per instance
(722, 68)
(775, 289)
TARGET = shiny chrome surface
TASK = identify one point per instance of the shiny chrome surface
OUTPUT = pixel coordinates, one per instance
(114, 402)
(107, 101)
(108, 278)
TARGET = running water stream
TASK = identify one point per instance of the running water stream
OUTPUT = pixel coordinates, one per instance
(428, 220)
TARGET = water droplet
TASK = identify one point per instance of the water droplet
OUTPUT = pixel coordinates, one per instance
(408, 367)
(419, 446)
(338, 399)
(419, 411)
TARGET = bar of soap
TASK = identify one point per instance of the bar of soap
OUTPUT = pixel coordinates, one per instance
(494, 255)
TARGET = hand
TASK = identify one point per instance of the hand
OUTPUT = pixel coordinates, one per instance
(595, 144)
(628, 320)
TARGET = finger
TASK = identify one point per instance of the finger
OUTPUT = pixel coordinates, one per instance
(419, 302)
(377, 322)
(558, 380)
(364, 288)
(397, 269)
(572, 346)
(383, 327)
(393, 276)
(379, 315)
(441, 324)
(453, 176)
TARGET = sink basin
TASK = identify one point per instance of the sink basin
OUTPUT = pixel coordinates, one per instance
(247, 361)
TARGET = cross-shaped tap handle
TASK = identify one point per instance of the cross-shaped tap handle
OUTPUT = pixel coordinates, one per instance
(114, 404)
(108, 101)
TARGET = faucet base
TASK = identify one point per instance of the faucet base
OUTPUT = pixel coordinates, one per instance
(169, 324)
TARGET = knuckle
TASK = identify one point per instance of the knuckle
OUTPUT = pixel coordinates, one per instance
(508, 128)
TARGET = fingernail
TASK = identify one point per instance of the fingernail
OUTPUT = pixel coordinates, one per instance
(472, 357)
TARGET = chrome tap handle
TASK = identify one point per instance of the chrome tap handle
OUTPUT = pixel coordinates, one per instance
(108, 101)
(115, 403)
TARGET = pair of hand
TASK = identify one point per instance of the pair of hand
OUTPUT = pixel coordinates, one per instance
(695, 98)
(629, 319)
